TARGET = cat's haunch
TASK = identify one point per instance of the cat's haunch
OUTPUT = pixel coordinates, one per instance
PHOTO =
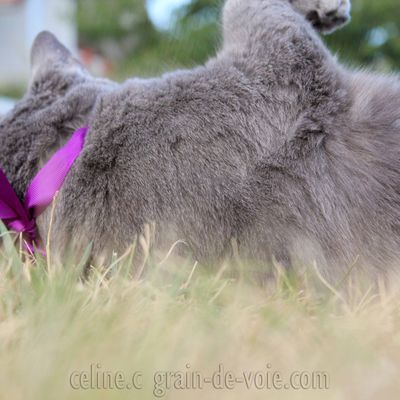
(271, 145)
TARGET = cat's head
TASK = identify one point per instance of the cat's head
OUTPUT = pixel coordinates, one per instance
(60, 98)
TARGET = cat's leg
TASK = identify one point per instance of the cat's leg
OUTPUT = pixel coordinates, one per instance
(267, 37)
(249, 22)
(272, 41)
(246, 22)
(325, 15)
(278, 50)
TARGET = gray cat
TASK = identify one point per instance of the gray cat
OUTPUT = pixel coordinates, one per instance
(272, 145)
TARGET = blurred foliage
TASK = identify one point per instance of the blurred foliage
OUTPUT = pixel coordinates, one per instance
(13, 91)
(198, 22)
(373, 36)
(123, 23)
(122, 31)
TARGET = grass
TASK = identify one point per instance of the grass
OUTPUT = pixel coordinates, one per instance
(179, 318)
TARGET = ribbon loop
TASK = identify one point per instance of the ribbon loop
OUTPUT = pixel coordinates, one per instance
(20, 217)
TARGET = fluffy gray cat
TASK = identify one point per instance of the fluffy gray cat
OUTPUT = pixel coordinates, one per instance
(272, 145)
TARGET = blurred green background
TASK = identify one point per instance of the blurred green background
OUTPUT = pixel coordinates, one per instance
(143, 38)
(372, 38)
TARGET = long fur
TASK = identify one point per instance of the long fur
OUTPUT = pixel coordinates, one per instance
(271, 144)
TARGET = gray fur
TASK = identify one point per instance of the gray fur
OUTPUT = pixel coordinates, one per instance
(271, 143)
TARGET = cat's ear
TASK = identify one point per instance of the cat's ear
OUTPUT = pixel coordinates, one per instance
(48, 55)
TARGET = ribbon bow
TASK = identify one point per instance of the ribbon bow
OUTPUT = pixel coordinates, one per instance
(20, 217)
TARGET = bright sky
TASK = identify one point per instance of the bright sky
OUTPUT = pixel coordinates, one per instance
(160, 11)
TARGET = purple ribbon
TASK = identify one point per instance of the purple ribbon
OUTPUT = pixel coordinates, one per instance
(21, 218)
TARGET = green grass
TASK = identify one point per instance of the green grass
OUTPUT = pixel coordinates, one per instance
(54, 324)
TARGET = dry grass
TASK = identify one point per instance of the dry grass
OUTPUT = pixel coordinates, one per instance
(53, 324)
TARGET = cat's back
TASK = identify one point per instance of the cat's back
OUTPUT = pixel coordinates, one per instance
(210, 107)
(376, 100)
